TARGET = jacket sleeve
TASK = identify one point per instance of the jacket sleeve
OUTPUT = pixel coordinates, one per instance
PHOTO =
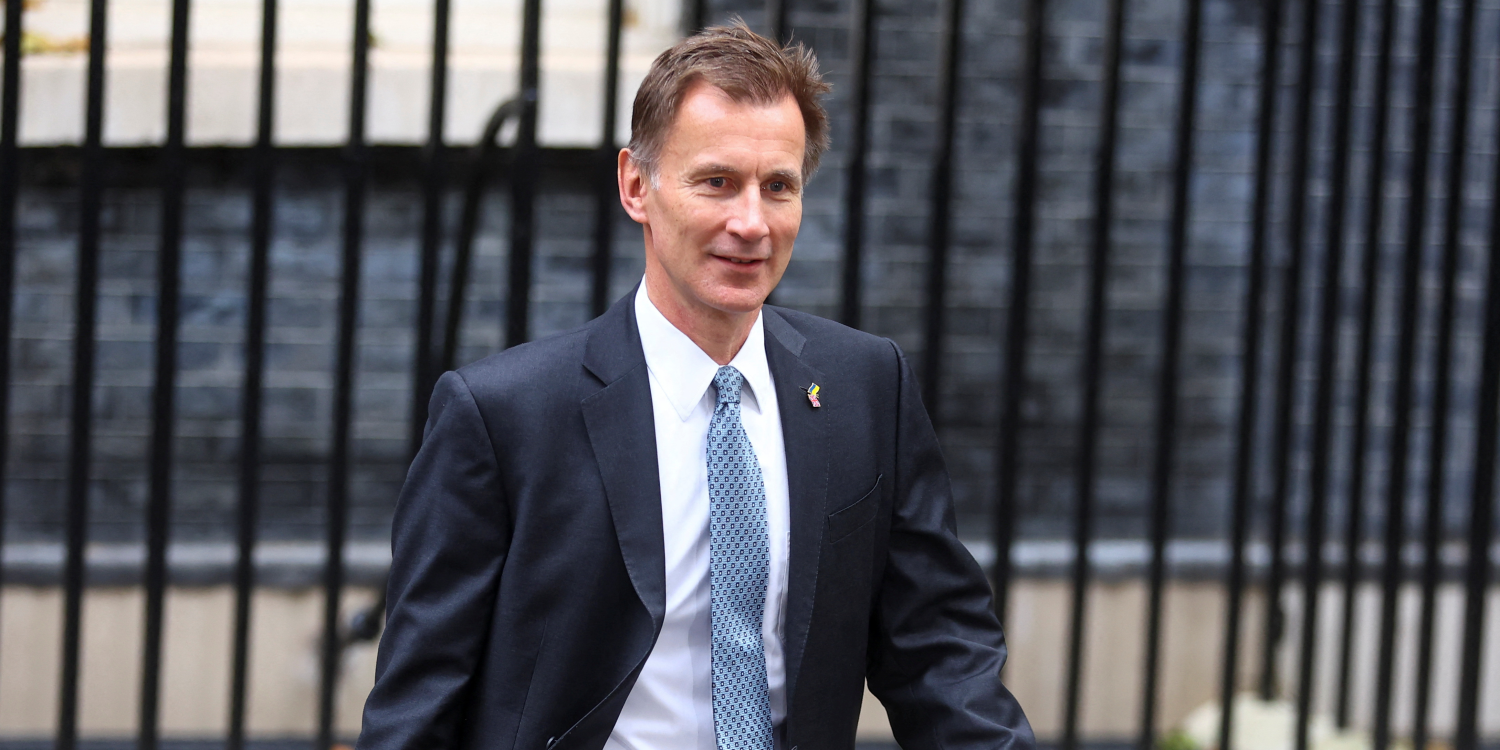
(936, 648)
(449, 540)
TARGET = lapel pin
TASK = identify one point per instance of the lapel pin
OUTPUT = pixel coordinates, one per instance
(812, 394)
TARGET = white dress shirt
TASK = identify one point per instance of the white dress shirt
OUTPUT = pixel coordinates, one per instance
(671, 705)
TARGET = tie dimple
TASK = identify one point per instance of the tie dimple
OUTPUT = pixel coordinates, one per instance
(739, 555)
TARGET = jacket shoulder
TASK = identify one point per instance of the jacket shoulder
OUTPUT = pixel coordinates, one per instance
(828, 341)
(536, 367)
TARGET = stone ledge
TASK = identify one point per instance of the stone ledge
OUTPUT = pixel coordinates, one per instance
(312, 96)
(296, 564)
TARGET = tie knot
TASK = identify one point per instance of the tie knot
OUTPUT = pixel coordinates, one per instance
(728, 381)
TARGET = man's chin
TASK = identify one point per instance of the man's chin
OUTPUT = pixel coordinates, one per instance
(738, 301)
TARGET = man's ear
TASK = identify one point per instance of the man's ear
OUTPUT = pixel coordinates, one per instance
(633, 186)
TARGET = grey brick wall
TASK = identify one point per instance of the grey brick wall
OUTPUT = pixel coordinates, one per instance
(306, 275)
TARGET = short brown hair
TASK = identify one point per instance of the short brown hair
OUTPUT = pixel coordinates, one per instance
(743, 64)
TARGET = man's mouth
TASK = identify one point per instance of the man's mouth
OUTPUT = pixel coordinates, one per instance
(740, 261)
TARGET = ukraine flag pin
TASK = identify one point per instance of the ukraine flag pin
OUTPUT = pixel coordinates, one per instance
(812, 394)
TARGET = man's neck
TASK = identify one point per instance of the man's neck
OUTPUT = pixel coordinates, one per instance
(718, 333)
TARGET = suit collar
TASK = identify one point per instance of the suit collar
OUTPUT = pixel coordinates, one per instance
(622, 433)
(805, 431)
(614, 345)
(777, 326)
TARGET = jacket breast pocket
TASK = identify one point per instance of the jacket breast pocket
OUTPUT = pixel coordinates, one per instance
(854, 516)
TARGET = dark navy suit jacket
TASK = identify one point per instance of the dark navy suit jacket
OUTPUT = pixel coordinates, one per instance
(527, 584)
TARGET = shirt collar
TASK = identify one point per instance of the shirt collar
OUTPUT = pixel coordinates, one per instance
(685, 371)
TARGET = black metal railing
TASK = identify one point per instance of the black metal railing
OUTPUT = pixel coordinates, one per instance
(1298, 245)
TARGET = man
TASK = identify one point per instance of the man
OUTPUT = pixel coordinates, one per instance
(696, 522)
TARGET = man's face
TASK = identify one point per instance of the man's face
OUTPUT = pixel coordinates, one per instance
(724, 211)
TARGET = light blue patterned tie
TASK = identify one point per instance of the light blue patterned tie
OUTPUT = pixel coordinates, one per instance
(738, 558)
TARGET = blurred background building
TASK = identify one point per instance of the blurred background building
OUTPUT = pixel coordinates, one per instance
(1192, 286)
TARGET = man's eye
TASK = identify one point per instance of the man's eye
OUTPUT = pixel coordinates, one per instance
(717, 182)
(777, 187)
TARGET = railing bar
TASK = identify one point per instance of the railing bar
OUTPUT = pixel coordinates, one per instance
(606, 191)
(1481, 492)
(697, 16)
(523, 181)
(355, 167)
(1092, 364)
(1286, 382)
(90, 203)
(950, 45)
(776, 20)
(169, 281)
(1249, 407)
(459, 275)
(1023, 228)
(1168, 377)
(480, 156)
(434, 182)
(1406, 351)
(10, 109)
(861, 54)
(248, 520)
(468, 225)
(1327, 375)
(1370, 284)
(1442, 362)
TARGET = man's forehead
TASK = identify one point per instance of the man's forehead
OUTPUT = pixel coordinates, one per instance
(704, 99)
(712, 128)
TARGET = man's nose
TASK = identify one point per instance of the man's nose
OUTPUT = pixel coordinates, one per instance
(747, 218)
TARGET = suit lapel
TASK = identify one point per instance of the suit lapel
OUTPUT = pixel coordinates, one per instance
(805, 433)
(622, 432)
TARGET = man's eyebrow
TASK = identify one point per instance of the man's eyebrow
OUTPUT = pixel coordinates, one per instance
(712, 169)
(785, 175)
